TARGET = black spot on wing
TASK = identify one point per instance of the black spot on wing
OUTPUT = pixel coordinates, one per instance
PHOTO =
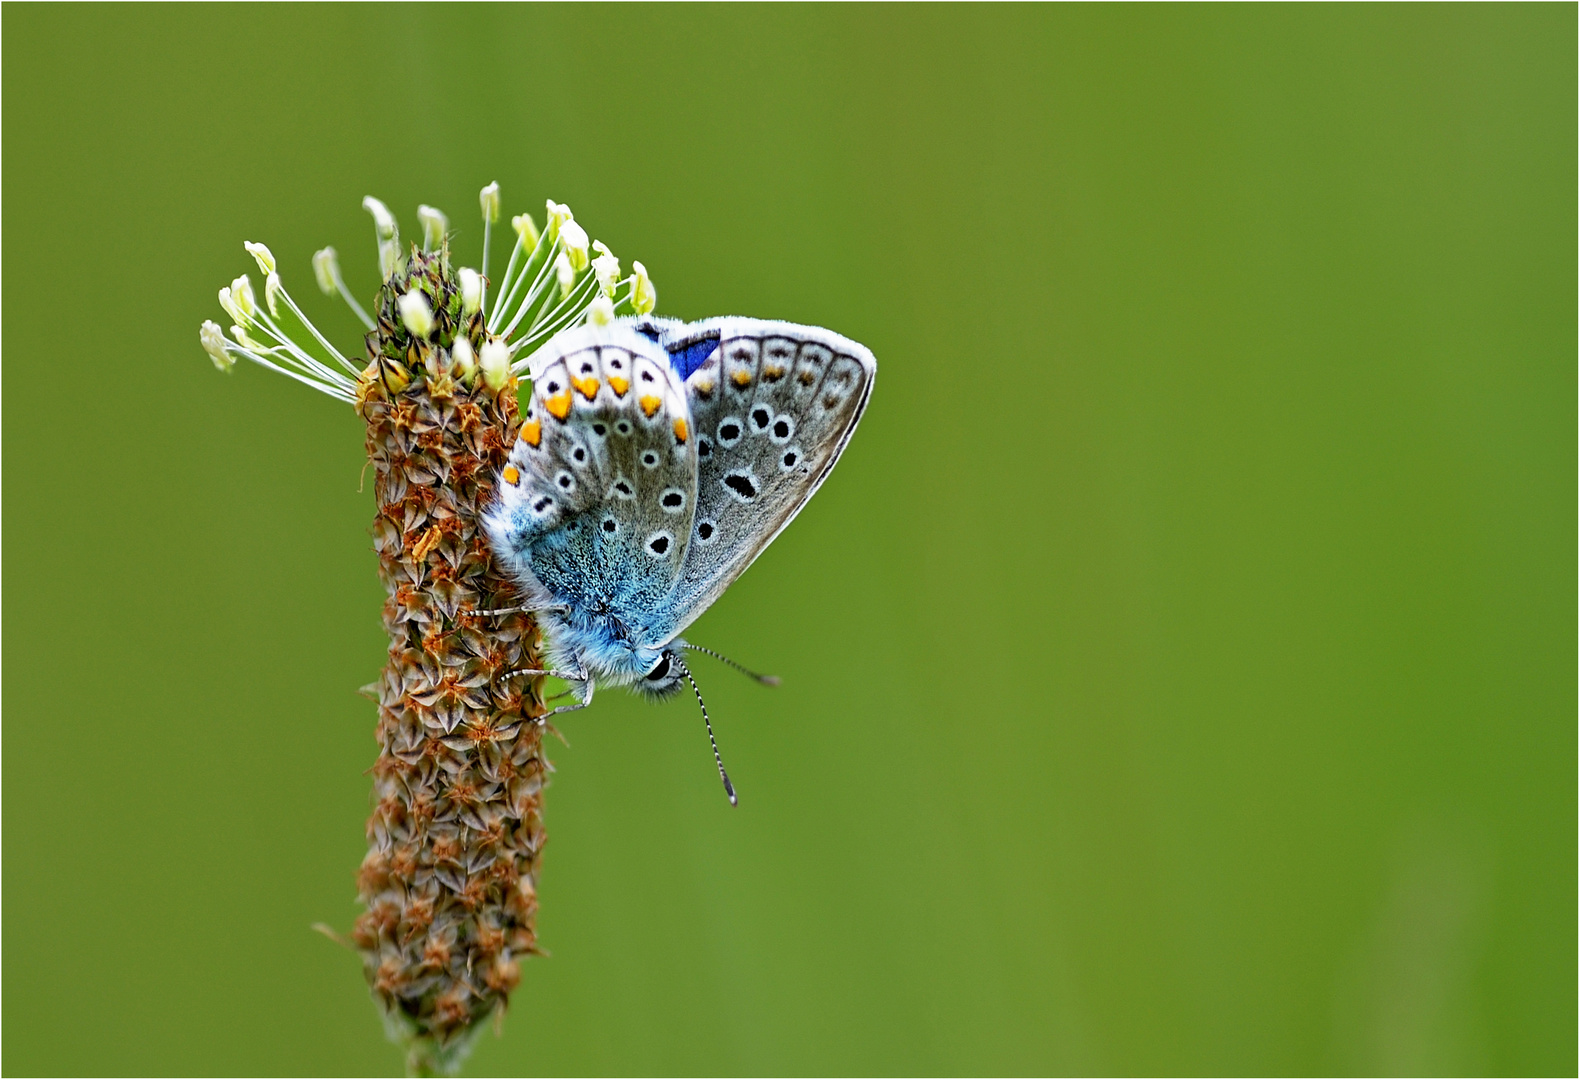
(742, 484)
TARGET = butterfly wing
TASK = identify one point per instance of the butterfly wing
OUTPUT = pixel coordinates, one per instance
(774, 405)
(595, 505)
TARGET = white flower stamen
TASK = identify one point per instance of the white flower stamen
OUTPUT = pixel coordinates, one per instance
(213, 339)
(246, 341)
(383, 220)
(600, 312)
(574, 237)
(390, 261)
(547, 287)
(415, 313)
(606, 267)
(494, 364)
(271, 292)
(565, 272)
(644, 298)
(238, 301)
(465, 361)
(262, 254)
(471, 290)
(555, 215)
(488, 199)
(434, 226)
(326, 268)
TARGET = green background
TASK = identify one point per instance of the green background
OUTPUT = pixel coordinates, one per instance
(1179, 668)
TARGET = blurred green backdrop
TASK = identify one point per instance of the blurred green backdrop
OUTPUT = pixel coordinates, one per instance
(1179, 669)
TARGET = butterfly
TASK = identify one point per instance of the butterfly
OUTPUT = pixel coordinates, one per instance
(656, 460)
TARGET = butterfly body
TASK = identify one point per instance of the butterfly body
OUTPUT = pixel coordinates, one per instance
(656, 461)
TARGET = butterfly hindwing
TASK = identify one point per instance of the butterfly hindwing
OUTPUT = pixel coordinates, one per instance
(599, 516)
(773, 405)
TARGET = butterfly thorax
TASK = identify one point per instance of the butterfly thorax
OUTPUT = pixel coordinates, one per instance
(604, 647)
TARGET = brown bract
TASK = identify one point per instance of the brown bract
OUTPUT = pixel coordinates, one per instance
(450, 878)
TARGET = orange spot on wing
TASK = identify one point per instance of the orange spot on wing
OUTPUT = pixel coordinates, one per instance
(703, 387)
(772, 372)
(512, 475)
(532, 431)
(559, 405)
(680, 429)
(618, 385)
(742, 378)
(587, 387)
(649, 405)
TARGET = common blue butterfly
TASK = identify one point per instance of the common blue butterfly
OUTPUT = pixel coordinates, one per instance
(656, 460)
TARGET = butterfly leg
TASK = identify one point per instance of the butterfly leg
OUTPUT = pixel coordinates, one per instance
(568, 676)
(521, 609)
(582, 704)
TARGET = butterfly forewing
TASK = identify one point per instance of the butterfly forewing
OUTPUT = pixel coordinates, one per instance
(605, 472)
(773, 405)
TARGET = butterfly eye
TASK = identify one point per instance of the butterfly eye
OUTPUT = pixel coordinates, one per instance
(660, 670)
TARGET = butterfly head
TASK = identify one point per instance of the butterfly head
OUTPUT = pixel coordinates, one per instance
(665, 675)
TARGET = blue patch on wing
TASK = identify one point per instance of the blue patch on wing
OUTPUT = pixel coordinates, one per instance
(688, 358)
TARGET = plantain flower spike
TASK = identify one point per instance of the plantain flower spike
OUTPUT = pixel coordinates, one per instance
(450, 906)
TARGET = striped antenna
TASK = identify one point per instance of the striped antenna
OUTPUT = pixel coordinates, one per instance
(766, 680)
(729, 789)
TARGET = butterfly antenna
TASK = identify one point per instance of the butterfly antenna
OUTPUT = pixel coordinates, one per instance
(766, 680)
(729, 789)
